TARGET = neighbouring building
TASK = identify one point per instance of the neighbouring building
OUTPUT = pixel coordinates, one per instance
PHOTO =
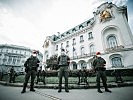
(107, 32)
(13, 55)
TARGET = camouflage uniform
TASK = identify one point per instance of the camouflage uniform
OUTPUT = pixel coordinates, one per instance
(31, 66)
(99, 64)
(63, 71)
(12, 75)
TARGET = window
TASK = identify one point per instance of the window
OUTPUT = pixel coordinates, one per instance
(67, 32)
(56, 47)
(83, 65)
(67, 52)
(7, 50)
(90, 36)
(74, 41)
(82, 51)
(116, 62)
(112, 42)
(67, 44)
(88, 22)
(92, 49)
(74, 66)
(61, 45)
(81, 38)
(73, 30)
(9, 60)
(81, 26)
(18, 60)
(14, 60)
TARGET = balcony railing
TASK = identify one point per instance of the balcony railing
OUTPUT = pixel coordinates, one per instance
(116, 48)
(83, 56)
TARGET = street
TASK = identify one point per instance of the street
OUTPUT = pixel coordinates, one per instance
(14, 93)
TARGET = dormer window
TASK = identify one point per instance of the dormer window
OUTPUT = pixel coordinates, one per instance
(81, 26)
(74, 30)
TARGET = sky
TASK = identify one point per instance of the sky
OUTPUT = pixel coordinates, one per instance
(28, 22)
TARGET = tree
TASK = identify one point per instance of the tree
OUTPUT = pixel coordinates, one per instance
(52, 62)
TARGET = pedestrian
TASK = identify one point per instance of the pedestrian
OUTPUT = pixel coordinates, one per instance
(63, 62)
(99, 67)
(31, 65)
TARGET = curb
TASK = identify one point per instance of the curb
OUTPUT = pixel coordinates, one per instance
(71, 86)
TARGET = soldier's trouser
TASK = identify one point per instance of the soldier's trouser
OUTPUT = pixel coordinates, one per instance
(27, 76)
(63, 71)
(102, 75)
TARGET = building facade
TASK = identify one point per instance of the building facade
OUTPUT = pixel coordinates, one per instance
(107, 32)
(14, 56)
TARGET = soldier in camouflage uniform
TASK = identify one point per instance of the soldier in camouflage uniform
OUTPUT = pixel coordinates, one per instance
(99, 66)
(63, 62)
(12, 75)
(31, 65)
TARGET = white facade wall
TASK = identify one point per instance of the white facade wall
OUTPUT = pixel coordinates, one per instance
(116, 26)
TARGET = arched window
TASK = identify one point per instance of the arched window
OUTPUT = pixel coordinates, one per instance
(92, 50)
(116, 62)
(112, 42)
(74, 66)
(82, 51)
(83, 65)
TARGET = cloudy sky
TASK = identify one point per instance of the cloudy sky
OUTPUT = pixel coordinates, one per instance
(28, 22)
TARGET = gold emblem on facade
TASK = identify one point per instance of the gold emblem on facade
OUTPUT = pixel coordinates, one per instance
(105, 15)
(46, 43)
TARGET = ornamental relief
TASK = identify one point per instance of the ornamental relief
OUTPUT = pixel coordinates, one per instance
(46, 43)
(104, 15)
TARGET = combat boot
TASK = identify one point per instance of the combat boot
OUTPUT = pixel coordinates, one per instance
(107, 90)
(66, 89)
(23, 91)
(24, 88)
(32, 89)
(99, 90)
(59, 89)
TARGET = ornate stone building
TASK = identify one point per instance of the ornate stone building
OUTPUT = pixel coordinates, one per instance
(13, 55)
(107, 32)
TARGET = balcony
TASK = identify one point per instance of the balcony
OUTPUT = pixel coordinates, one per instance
(81, 41)
(83, 56)
(74, 44)
(67, 45)
(116, 48)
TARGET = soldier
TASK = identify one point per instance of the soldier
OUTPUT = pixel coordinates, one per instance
(117, 73)
(12, 75)
(99, 66)
(63, 62)
(31, 65)
(39, 75)
(43, 76)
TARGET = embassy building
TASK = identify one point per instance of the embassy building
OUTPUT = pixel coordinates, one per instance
(107, 32)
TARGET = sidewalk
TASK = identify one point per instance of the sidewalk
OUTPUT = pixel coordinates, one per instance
(71, 86)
